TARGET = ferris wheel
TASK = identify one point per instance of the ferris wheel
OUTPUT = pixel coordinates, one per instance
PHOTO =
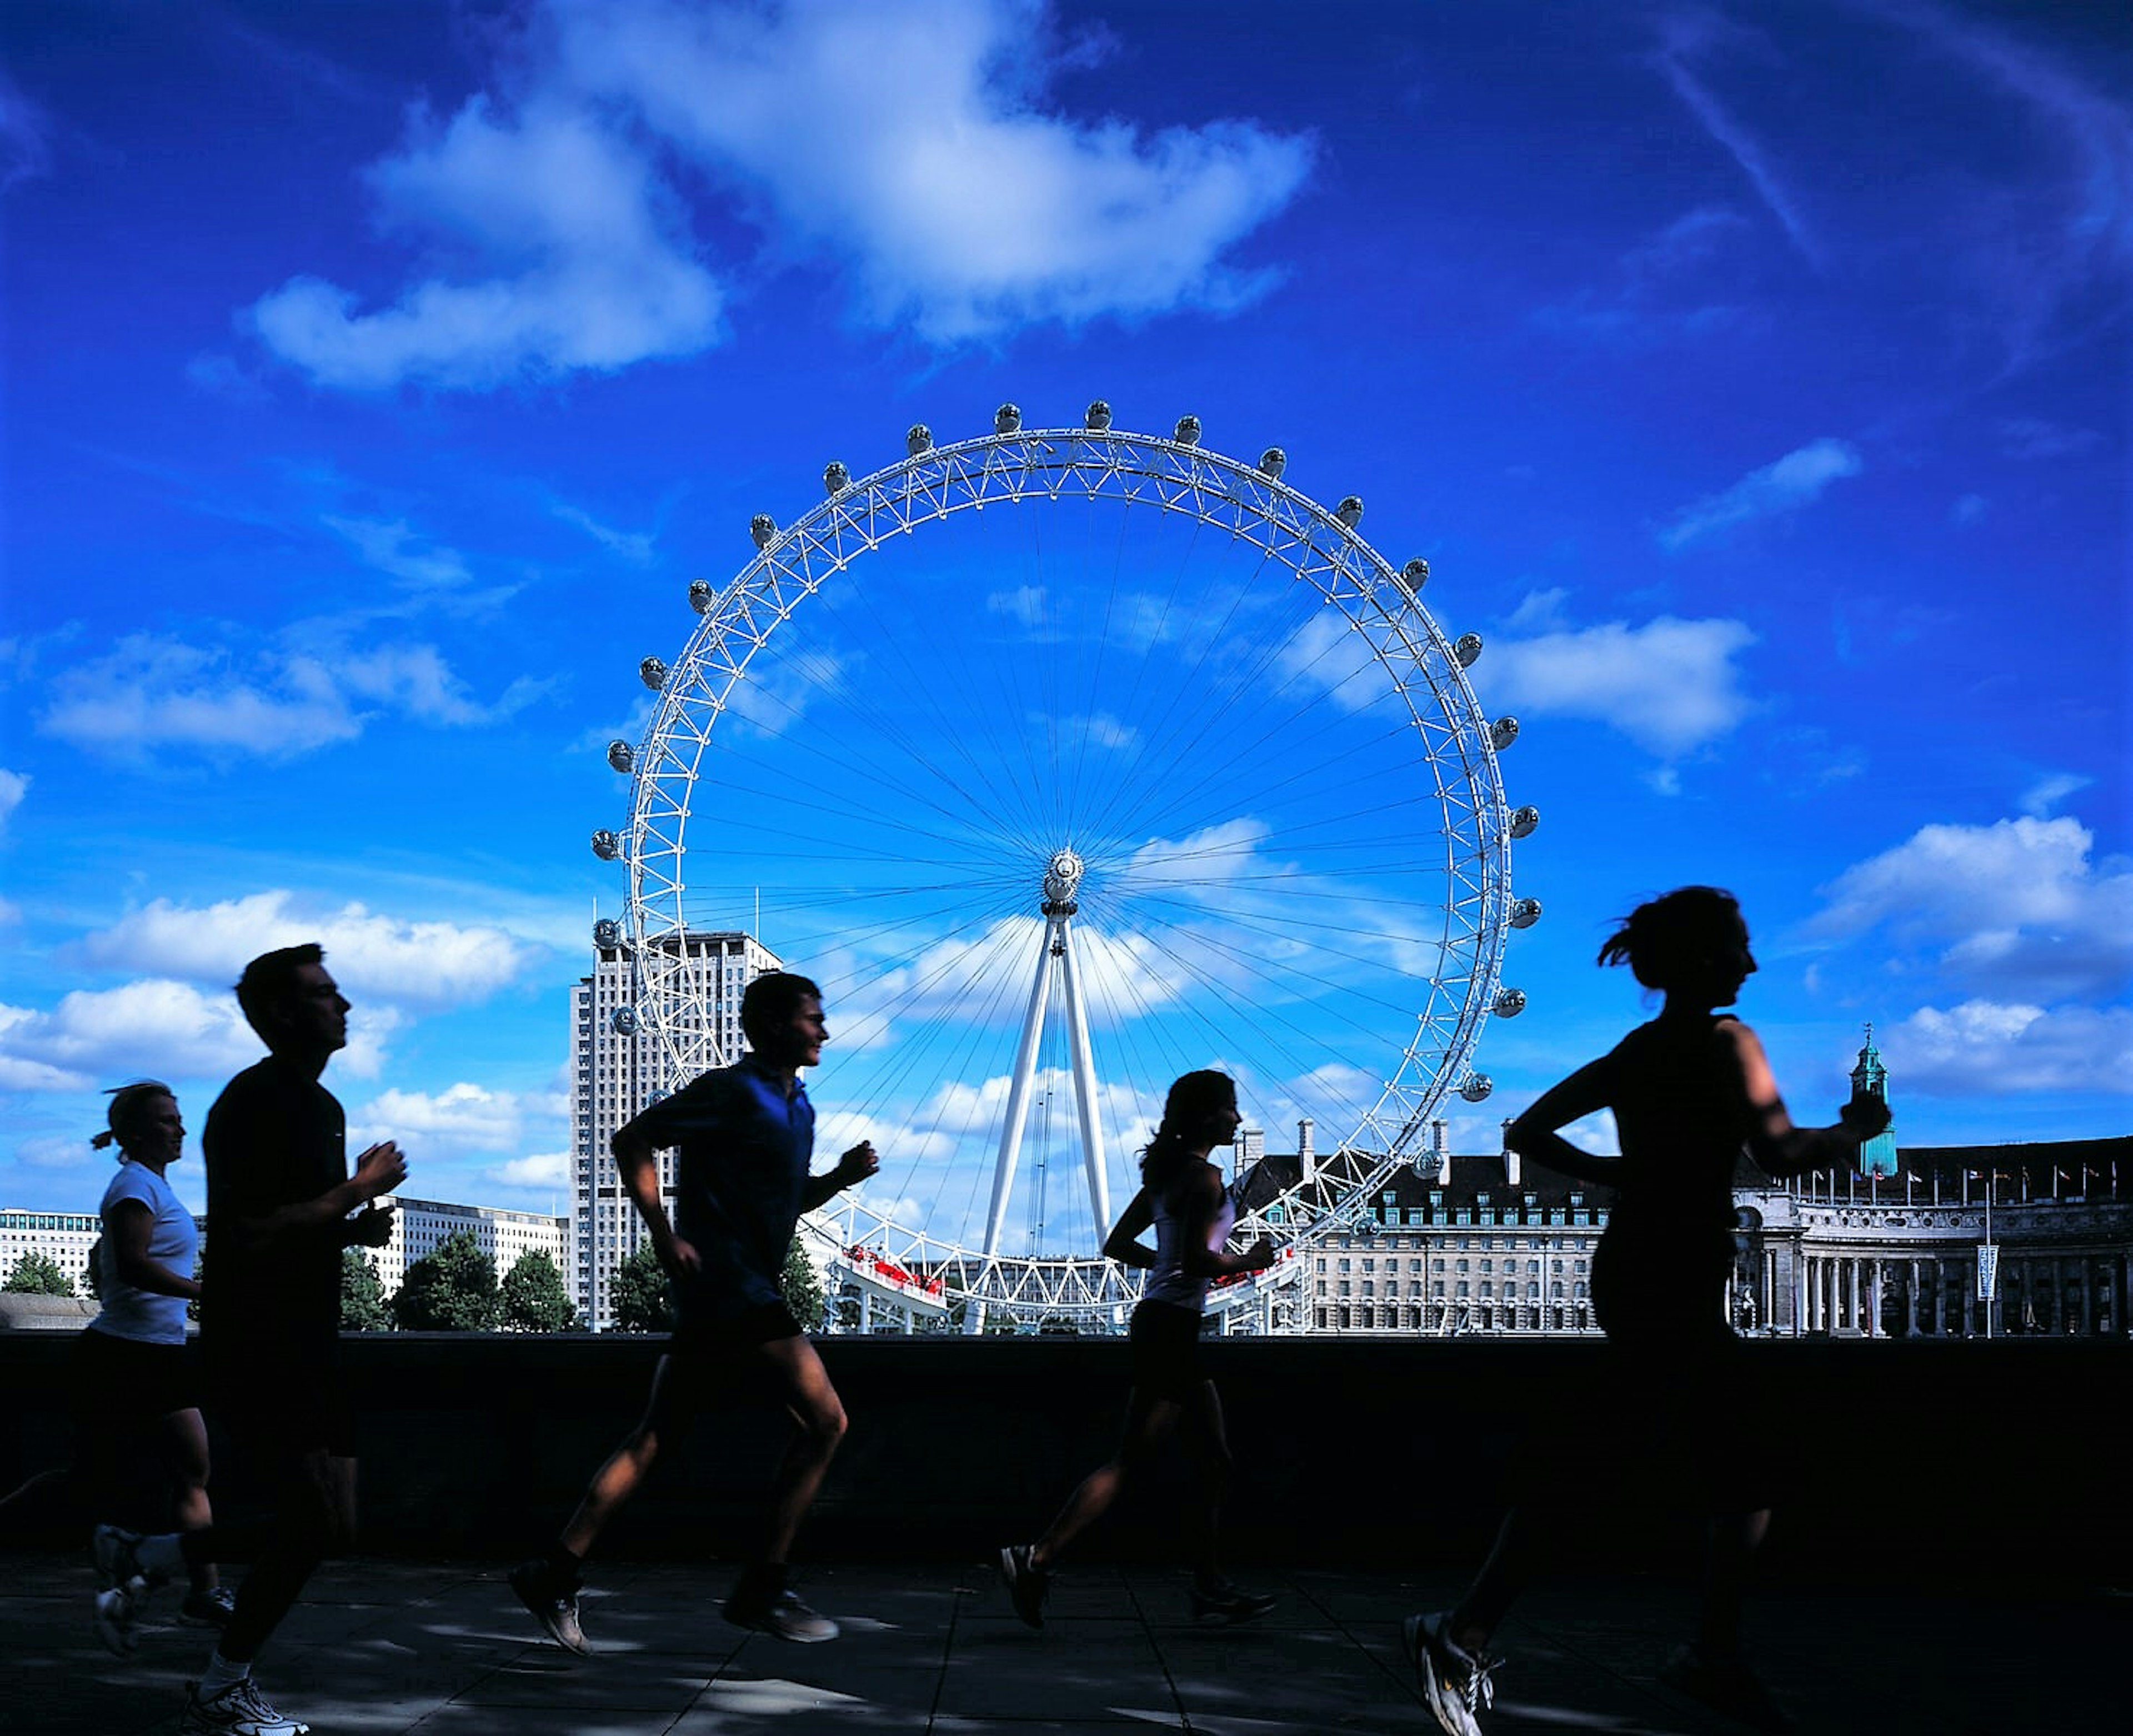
(1067, 761)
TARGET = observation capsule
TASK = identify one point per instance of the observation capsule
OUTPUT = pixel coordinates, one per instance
(762, 530)
(1273, 462)
(606, 933)
(1008, 419)
(1099, 416)
(1416, 573)
(1510, 1003)
(701, 596)
(1187, 430)
(606, 845)
(1525, 912)
(917, 438)
(621, 756)
(1350, 512)
(654, 1095)
(1523, 821)
(1468, 650)
(836, 478)
(653, 672)
(1503, 732)
(1478, 1086)
(622, 1021)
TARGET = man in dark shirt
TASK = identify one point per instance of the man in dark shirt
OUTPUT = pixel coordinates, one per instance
(279, 1200)
(745, 1135)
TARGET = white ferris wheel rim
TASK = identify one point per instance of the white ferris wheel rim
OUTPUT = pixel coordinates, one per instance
(1249, 501)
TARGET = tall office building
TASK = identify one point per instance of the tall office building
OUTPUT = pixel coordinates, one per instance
(614, 1071)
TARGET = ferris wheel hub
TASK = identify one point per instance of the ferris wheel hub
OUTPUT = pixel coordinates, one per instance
(1062, 876)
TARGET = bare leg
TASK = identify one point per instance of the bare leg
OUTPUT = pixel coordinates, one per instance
(1732, 1545)
(1211, 1452)
(675, 1389)
(316, 1515)
(1508, 1571)
(813, 1405)
(185, 1451)
(1147, 1421)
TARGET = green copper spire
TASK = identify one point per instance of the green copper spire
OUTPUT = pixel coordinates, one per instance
(1877, 1156)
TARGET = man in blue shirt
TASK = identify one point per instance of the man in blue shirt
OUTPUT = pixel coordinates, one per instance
(743, 1136)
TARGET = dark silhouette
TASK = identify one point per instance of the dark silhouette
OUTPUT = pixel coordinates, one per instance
(1182, 1198)
(1675, 1411)
(745, 1135)
(279, 1200)
(134, 1386)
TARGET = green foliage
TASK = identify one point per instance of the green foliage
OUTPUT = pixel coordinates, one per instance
(643, 1300)
(36, 1274)
(802, 1289)
(453, 1289)
(533, 1297)
(361, 1296)
(199, 1273)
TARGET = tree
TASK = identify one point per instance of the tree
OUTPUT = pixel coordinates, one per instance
(802, 1289)
(361, 1296)
(452, 1290)
(643, 1300)
(36, 1274)
(533, 1298)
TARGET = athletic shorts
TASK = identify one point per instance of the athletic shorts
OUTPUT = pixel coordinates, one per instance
(124, 1382)
(1165, 1341)
(284, 1405)
(719, 1335)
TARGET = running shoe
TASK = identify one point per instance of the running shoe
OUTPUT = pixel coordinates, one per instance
(112, 1548)
(554, 1605)
(1231, 1603)
(114, 1613)
(240, 1709)
(214, 1606)
(1455, 1682)
(1027, 1586)
(1728, 1685)
(780, 1614)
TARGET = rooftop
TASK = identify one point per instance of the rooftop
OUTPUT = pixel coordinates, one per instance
(443, 1648)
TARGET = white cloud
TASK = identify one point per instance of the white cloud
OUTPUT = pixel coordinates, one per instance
(1991, 1048)
(576, 261)
(149, 692)
(558, 231)
(1670, 686)
(2017, 907)
(461, 1117)
(2049, 791)
(388, 546)
(546, 1171)
(1796, 480)
(14, 786)
(154, 1027)
(424, 966)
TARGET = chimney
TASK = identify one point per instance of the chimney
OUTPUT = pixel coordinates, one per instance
(1441, 1151)
(1510, 1157)
(1250, 1148)
(1306, 1159)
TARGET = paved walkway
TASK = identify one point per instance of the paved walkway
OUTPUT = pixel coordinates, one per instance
(444, 1649)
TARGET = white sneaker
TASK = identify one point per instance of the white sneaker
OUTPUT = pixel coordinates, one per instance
(1454, 1681)
(115, 1609)
(240, 1709)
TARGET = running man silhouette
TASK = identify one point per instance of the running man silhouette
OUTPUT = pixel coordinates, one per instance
(1182, 1197)
(1688, 1091)
(279, 1200)
(745, 1135)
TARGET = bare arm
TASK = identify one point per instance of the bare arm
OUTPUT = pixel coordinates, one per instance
(1773, 1141)
(1535, 1134)
(378, 1171)
(1123, 1243)
(127, 1227)
(636, 1160)
(854, 1167)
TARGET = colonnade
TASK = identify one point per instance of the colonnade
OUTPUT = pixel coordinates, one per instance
(1851, 1294)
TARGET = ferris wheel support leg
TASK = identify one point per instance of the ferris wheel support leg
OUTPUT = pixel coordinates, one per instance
(1017, 1099)
(1085, 1085)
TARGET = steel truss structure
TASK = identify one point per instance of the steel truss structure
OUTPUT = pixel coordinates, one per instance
(1304, 542)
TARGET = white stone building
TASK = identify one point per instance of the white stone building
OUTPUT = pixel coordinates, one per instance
(420, 1225)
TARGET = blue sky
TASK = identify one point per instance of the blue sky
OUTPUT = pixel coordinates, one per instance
(1754, 381)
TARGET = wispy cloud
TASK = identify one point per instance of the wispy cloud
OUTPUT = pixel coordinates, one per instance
(151, 694)
(929, 172)
(1796, 480)
(1982, 1046)
(1689, 38)
(25, 136)
(392, 547)
(1670, 686)
(14, 786)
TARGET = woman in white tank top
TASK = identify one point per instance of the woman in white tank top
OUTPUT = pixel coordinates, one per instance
(1183, 1199)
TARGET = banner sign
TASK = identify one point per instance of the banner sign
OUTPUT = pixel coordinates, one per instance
(1988, 1270)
